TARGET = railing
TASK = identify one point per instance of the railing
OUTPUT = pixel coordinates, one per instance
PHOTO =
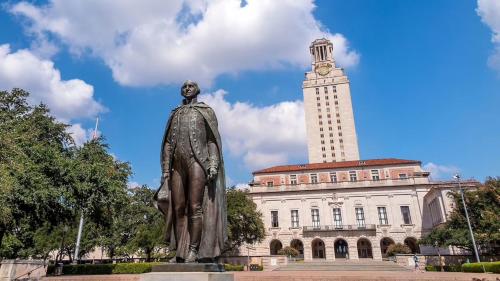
(344, 227)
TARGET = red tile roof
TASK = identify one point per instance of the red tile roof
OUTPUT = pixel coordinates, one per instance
(334, 165)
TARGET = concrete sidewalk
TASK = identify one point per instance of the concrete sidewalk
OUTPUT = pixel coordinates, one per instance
(361, 276)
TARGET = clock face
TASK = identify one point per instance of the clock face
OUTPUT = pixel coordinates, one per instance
(324, 69)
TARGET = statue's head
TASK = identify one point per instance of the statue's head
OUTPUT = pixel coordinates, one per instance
(190, 89)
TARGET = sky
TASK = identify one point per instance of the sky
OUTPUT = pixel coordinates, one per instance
(425, 75)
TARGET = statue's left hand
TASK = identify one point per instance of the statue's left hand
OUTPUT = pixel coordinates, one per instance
(212, 174)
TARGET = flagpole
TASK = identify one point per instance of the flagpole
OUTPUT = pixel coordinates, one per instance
(80, 226)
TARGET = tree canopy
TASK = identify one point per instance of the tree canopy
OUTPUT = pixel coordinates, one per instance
(483, 206)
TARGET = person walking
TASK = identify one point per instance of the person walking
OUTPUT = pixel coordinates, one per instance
(415, 260)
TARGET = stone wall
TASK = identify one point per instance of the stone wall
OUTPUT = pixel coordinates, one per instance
(11, 269)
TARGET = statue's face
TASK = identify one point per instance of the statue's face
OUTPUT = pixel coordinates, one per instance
(190, 90)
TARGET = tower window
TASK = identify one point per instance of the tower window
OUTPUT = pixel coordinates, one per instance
(326, 97)
(335, 96)
(326, 90)
(323, 149)
(318, 98)
(336, 102)
(317, 91)
(321, 135)
(335, 90)
(318, 104)
(331, 135)
(321, 122)
(338, 121)
(339, 127)
(321, 129)
(329, 128)
(331, 141)
(327, 103)
(322, 142)
(340, 134)
(319, 116)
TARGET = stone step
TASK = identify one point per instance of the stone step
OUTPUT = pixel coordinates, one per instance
(343, 266)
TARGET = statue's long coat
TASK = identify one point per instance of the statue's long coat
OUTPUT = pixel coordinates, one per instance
(214, 233)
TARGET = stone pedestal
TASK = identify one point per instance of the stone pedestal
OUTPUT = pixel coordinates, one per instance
(188, 276)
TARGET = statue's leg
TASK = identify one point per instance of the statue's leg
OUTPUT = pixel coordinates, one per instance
(179, 209)
(196, 187)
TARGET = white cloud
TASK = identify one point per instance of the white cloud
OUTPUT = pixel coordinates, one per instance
(80, 135)
(262, 136)
(441, 171)
(67, 99)
(489, 11)
(163, 42)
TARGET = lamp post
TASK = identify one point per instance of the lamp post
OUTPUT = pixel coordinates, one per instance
(457, 177)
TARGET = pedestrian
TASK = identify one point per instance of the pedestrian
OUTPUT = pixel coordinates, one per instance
(415, 260)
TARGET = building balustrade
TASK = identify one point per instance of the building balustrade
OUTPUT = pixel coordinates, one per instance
(344, 227)
(340, 184)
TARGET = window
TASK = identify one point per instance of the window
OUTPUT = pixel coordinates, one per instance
(327, 103)
(332, 147)
(382, 216)
(274, 219)
(435, 212)
(326, 90)
(405, 212)
(318, 104)
(329, 121)
(337, 218)
(320, 123)
(317, 91)
(403, 176)
(322, 135)
(323, 148)
(335, 96)
(338, 121)
(327, 109)
(295, 218)
(319, 116)
(315, 217)
(375, 175)
(333, 155)
(336, 103)
(360, 217)
(336, 114)
(324, 156)
(352, 175)
(322, 142)
(334, 89)
(317, 98)
(326, 97)
(270, 184)
(331, 135)
(341, 141)
(331, 141)
(319, 109)
(314, 177)
(333, 176)
(293, 179)
(329, 128)
(321, 129)
(340, 134)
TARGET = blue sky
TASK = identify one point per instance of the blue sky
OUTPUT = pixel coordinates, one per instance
(425, 75)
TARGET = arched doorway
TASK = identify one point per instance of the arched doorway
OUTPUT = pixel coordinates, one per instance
(364, 249)
(384, 244)
(341, 249)
(275, 246)
(318, 249)
(299, 246)
(412, 244)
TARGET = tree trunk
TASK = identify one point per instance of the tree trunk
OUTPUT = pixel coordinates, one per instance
(148, 255)
(2, 233)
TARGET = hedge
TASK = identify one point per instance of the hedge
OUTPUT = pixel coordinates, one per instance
(233, 267)
(446, 268)
(478, 267)
(92, 269)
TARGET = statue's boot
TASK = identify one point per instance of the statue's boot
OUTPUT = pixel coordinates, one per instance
(192, 256)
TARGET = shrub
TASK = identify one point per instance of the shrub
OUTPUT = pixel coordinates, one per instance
(288, 251)
(93, 269)
(447, 268)
(233, 267)
(398, 248)
(478, 267)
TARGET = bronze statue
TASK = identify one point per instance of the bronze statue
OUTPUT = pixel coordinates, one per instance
(192, 192)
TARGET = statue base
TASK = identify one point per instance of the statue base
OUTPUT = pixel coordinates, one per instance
(189, 267)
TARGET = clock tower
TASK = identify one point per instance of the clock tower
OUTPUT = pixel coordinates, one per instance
(331, 133)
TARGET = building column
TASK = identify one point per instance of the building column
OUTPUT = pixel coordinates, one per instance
(376, 251)
(353, 248)
(307, 249)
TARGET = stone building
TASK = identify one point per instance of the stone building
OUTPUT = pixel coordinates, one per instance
(350, 209)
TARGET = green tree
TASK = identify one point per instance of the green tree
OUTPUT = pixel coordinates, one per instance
(146, 222)
(46, 181)
(483, 206)
(244, 221)
(34, 168)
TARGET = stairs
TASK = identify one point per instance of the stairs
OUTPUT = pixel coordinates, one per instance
(341, 265)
